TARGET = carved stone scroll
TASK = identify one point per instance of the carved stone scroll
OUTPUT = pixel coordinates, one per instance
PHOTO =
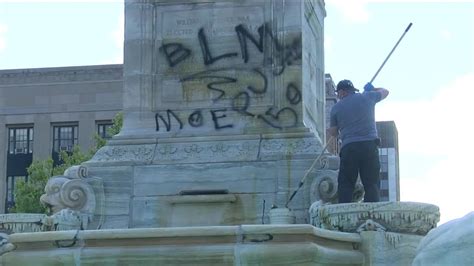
(5, 245)
(76, 171)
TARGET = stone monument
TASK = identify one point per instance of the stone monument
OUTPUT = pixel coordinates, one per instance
(223, 116)
(223, 113)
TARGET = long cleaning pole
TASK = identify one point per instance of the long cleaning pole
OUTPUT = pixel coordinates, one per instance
(309, 170)
(399, 40)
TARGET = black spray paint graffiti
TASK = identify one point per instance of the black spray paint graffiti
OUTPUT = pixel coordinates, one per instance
(206, 54)
(218, 77)
(293, 94)
(218, 80)
(175, 53)
(284, 55)
(284, 118)
(195, 119)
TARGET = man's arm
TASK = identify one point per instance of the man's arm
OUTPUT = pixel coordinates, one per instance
(383, 92)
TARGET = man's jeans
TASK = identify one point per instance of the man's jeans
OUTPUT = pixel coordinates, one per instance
(359, 158)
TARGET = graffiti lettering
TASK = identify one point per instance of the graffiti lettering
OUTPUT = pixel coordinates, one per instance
(237, 85)
(274, 119)
(293, 95)
(265, 84)
(222, 79)
(241, 105)
(206, 54)
(167, 122)
(195, 119)
(243, 35)
(288, 55)
(211, 86)
(175, 53)
(215, 118)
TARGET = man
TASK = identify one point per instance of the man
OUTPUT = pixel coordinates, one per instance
(353, 119)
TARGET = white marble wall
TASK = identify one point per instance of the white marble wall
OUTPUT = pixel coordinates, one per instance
(221, 95)
(223, 67)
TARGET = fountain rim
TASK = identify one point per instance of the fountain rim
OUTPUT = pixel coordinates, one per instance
(181, 232)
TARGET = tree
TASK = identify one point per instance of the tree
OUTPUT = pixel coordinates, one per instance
(27, 194)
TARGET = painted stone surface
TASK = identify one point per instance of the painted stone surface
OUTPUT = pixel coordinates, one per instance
(198, 68)
(222, 97)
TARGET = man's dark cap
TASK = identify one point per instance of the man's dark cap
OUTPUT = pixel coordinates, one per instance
(345, 84)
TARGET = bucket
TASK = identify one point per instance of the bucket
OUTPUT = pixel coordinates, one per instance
(281, 216)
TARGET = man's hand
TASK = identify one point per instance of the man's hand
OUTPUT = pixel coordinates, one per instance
(368, 87)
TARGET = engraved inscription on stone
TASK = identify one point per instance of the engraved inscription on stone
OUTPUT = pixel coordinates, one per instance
(219, 21)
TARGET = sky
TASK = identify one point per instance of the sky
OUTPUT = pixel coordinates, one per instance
(430, 75)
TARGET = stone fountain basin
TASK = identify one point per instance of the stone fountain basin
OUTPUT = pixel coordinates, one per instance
(23, 222)
(206, 245)
(400, 217)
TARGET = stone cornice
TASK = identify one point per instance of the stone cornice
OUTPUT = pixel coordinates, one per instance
(61, 75)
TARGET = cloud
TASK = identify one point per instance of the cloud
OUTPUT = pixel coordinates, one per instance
(438, 131)
(353, 11)
(328, 43)
(118, 35)
(447, 184)
(438, 125)
(3, 42)
(446, 34)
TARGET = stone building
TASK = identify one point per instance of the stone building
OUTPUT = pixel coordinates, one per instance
(46, 110)
(389, 163)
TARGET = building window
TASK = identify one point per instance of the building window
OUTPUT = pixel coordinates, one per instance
(383, 163)
(103, 128)
(20, 140)
(12, 183)
(64, 138)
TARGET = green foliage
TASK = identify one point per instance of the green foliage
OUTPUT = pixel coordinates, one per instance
(68, 159)
(113, 130)
(99, 141)
(117, 124)
(27, 194)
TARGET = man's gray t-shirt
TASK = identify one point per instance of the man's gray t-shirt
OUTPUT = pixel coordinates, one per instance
(354, 115)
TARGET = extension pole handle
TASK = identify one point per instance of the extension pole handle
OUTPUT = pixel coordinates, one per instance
(386, 59)
(309, 170)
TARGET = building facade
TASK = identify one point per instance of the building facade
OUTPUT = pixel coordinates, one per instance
(47, 110)
(389, 162)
